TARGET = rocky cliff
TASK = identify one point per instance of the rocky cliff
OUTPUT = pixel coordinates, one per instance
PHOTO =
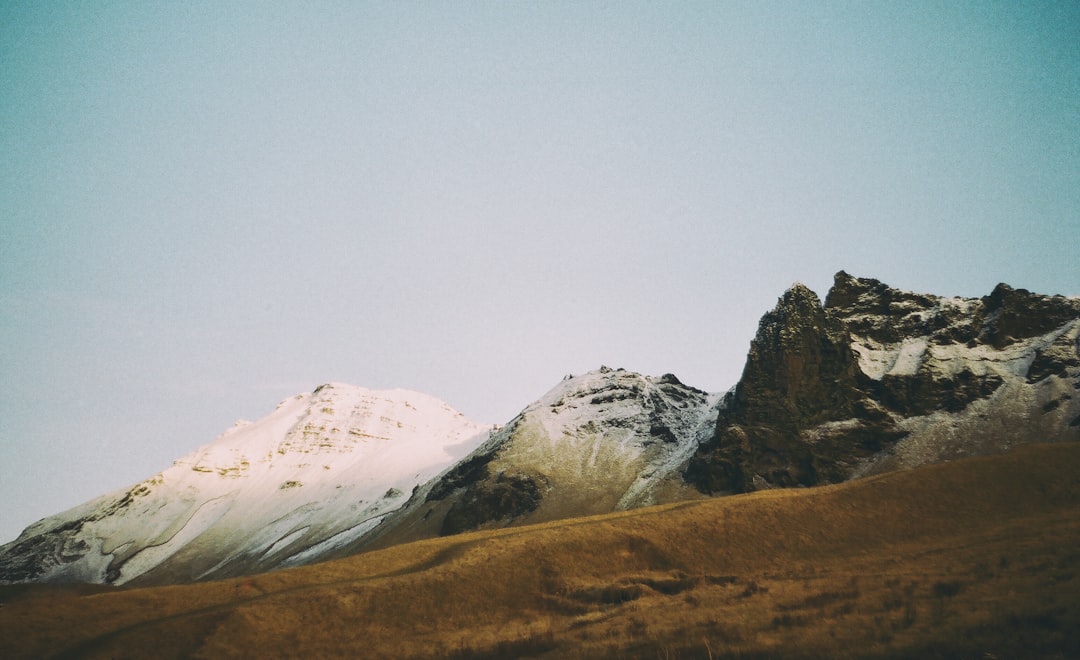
(876, 379)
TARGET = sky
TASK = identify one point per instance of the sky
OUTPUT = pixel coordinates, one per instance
(207, 207)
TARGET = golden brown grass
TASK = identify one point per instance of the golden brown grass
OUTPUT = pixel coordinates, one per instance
(968, 559)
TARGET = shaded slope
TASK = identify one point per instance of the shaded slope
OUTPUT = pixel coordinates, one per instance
(970, 557)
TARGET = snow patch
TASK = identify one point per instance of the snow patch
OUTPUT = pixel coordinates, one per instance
(336, 541)
(205, 516)
(285, 541)
(909, 358)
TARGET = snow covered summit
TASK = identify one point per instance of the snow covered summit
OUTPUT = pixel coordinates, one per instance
(602, 441)
(316, 473)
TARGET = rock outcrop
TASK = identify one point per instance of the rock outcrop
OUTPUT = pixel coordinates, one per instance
(878, 378)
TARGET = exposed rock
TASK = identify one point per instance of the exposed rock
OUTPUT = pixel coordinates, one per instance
(468, 471)
(926, 391)
(800, 369)
(801, 375)
(1055, 360)
(506, 497)
(1014, 314)
(833, 391)
(877, 311)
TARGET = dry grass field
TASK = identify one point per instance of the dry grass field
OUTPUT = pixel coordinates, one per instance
(978, 558)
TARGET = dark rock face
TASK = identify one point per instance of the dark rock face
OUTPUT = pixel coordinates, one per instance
(827, 387)
(800, 364)
(483, 497)
(1055, 360)
(63, 546)
(1013, 314)
(925, 392)
(874, 310)
(506, 497)
(472, 469)
(800, 374)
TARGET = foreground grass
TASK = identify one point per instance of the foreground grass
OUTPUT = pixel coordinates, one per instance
(976, 558)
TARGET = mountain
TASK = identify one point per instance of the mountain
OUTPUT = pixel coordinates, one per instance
(332, 471)
(604, 441)
(877, 379)
(321, 470)
(872, 380)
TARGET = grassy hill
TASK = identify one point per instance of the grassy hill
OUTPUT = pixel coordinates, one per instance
(974, 558)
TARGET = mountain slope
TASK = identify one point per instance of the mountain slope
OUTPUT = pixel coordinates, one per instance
(319, 471)
(971, 558)
(335, 470)
(878, 379)
(607, 440)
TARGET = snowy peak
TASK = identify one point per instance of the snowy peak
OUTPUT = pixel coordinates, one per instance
(650, 409)
(335, 425)
(319, 471)
(606, 440)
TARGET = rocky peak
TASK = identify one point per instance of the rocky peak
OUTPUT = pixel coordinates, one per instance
(871, 308)
(1014, 314)
(800, 366)
(850, 292)
(800, 373)
(829, 390)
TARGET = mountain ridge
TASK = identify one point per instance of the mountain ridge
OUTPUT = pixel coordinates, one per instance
(876, 378)
(606, 440)
(871, 380)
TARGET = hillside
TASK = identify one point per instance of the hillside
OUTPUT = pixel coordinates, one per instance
(971, 558)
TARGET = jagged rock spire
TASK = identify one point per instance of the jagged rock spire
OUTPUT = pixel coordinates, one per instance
(800, 373)
(829, 391)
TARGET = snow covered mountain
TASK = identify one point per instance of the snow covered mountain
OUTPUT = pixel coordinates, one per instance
(331, 471)
(879, 379)
(321, 470)
(874, 379)
(603, 441)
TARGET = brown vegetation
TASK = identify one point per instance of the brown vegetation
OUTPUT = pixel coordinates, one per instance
(976, 558)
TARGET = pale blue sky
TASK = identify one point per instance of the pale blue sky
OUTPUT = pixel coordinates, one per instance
(207, 207)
